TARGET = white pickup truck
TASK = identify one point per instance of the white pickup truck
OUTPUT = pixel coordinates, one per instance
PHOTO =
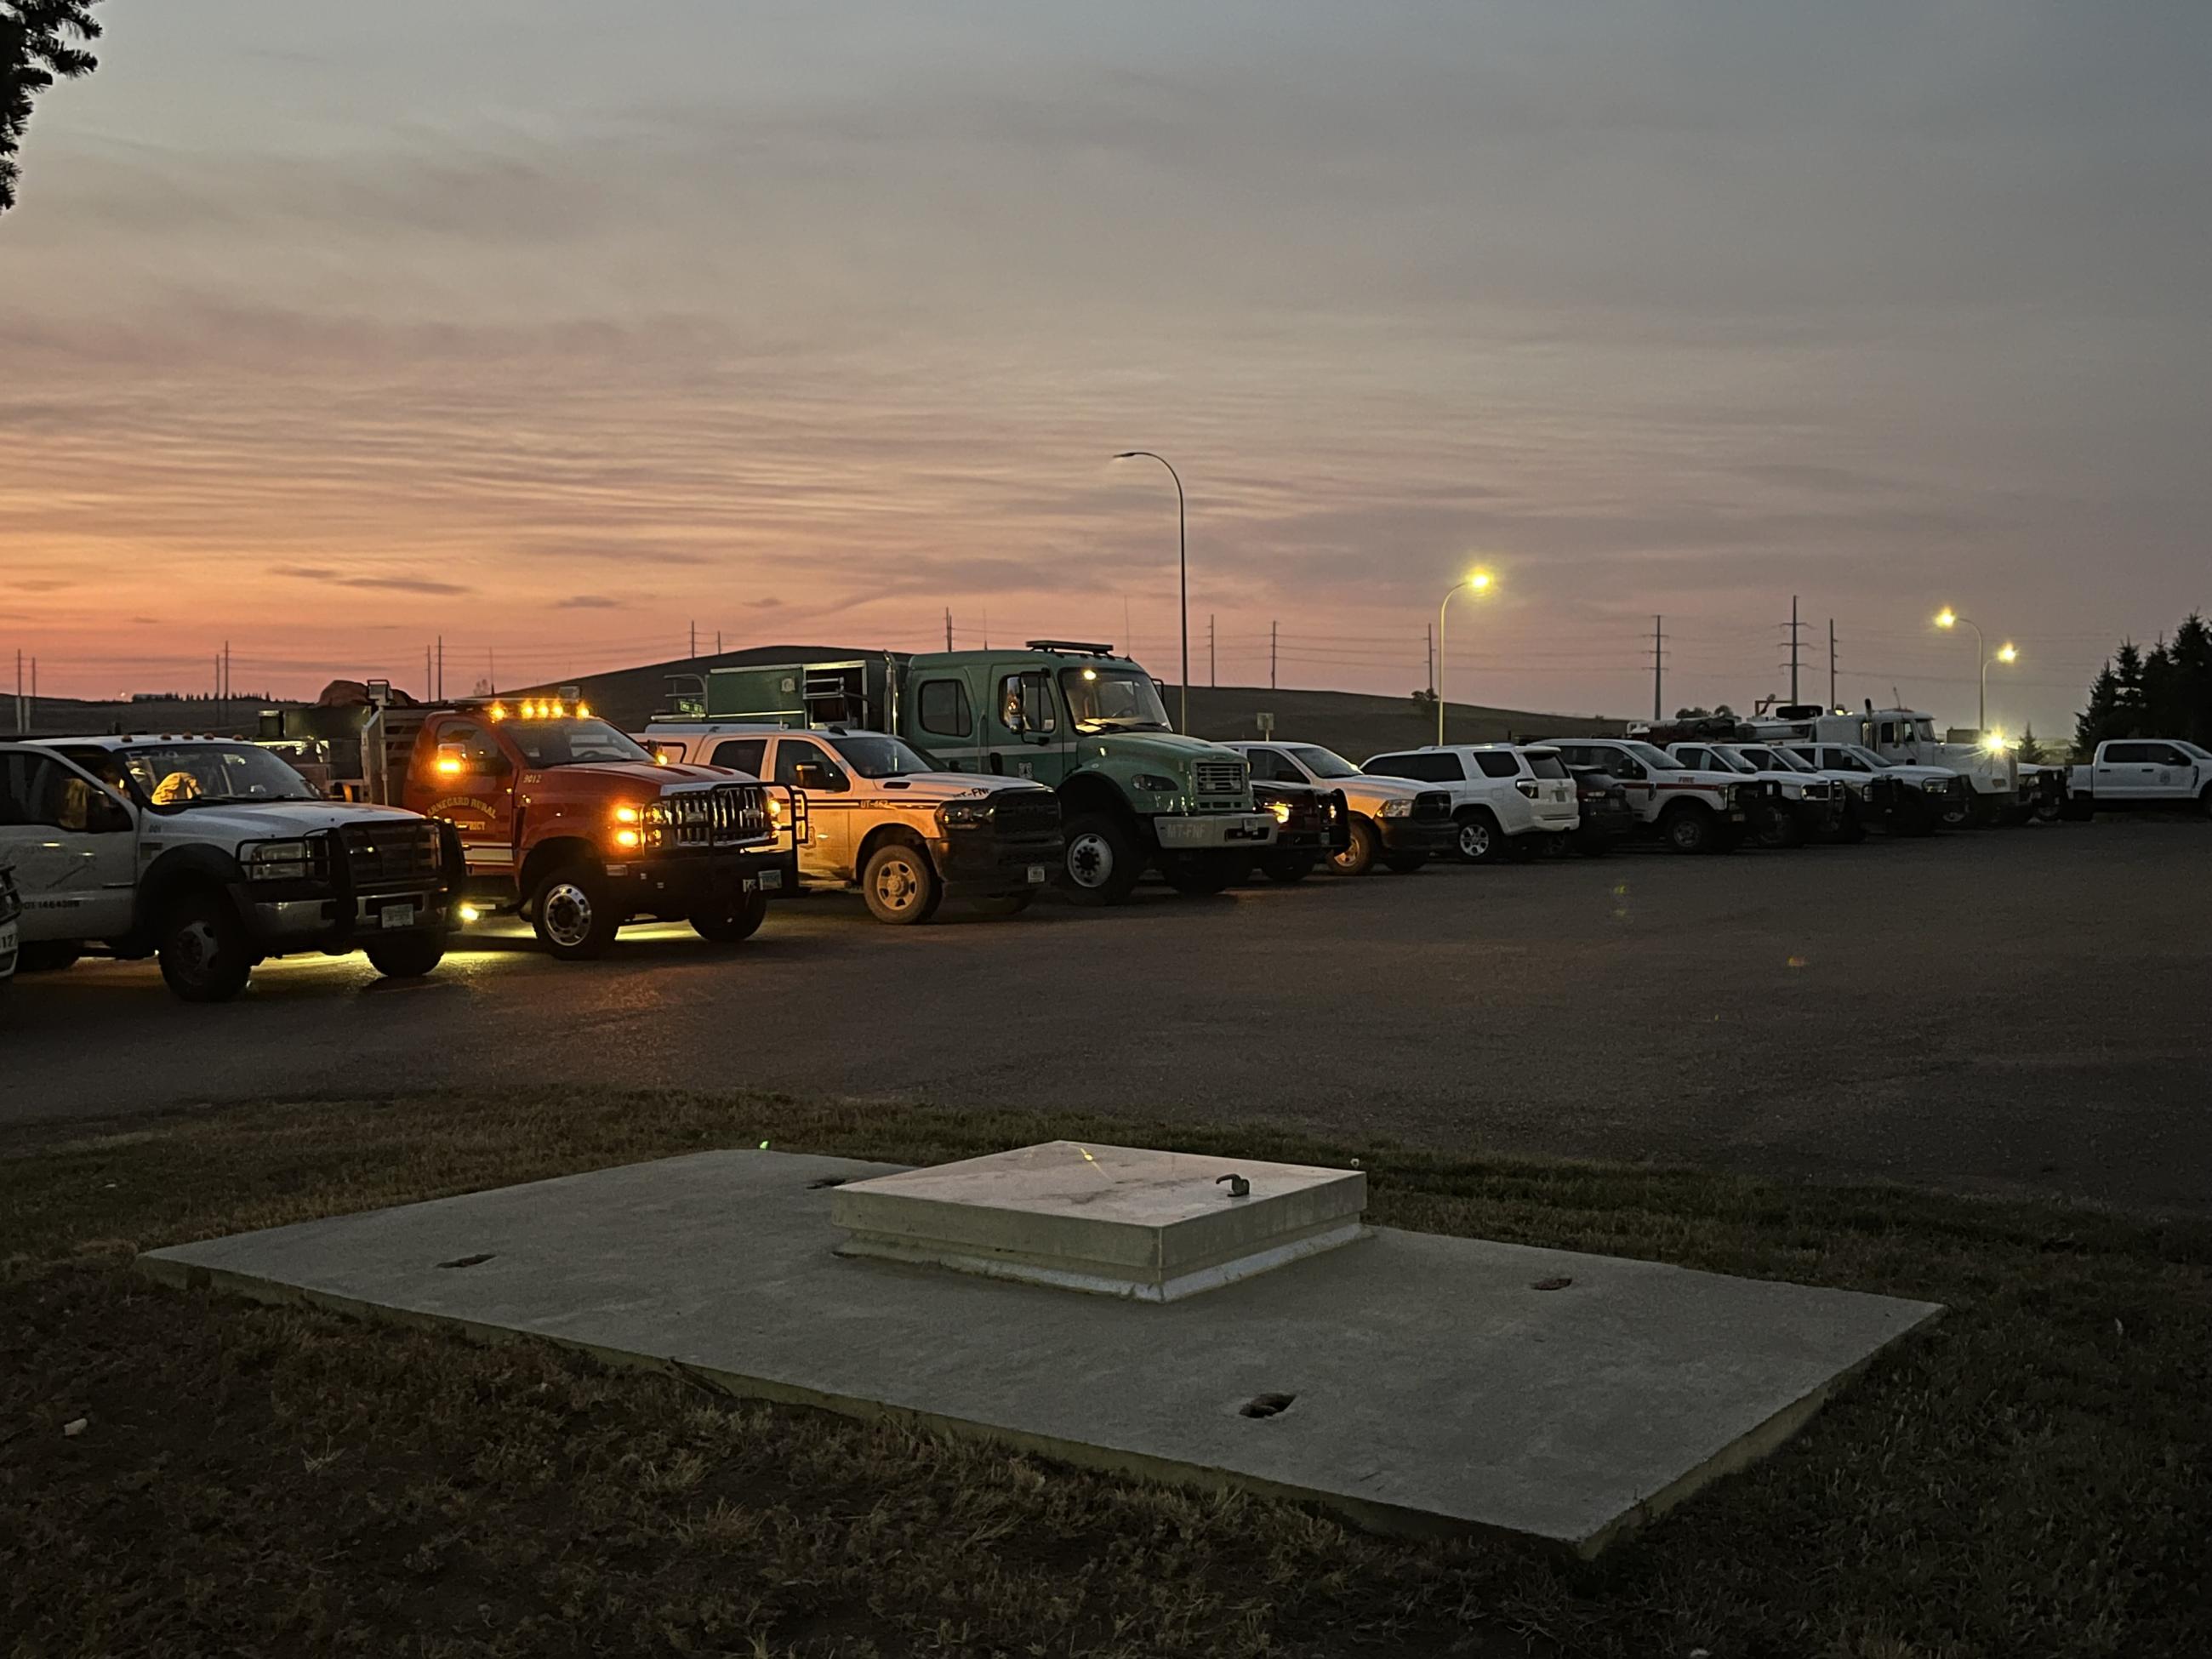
(1692, 811)
(212, 855)
(2129, 773)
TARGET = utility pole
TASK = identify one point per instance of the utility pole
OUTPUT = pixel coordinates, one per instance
(718, 636)
(948, 628)
(1831, 662)
(23, 719)
(491, 668)
(1432, 661)
(430, 682)
(442, 668)
(32, 718)
(1213, 674)
(1272, 627)
(695, 641)
(1795, 635)
(1658, 669)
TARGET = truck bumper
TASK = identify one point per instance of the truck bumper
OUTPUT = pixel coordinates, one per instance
(1215, 830)
(1602, 828)
(336, 925)
(1429, 837)
(985, 866)
(674, 887)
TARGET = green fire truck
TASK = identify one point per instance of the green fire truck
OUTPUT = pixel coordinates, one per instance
(1088, 724)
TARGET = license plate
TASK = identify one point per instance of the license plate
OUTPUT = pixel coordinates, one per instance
(770, 880)
(1037, 875)
(1736, 813)
(396, 915)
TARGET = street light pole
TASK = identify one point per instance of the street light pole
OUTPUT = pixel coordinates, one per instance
(1950, 619)
(1474, 583)
(1183, 576)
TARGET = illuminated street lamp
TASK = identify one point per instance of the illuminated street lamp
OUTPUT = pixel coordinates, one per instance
(1476, 581)
(1182, 577)
(2006, 653)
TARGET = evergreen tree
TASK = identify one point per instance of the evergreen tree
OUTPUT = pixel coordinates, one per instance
(2191, 651)
(2128, 706)
(2028, 749)
(36, 46)
(2093, 725)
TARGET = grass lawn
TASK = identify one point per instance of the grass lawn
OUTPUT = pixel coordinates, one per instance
(2031, 1475)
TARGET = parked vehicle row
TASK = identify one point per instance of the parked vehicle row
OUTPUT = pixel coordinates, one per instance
(376, 824)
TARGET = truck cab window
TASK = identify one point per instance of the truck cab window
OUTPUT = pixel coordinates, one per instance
(36, 789)
(742, 754)
(944, 708)
(1025, 703)
(479, 753)
(803, 765)
(1272, 766)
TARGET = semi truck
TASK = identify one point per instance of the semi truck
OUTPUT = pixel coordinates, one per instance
(1998, 788)
(563, 819)
(1075, 717)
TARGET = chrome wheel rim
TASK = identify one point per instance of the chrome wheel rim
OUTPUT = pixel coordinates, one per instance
(1474, 840)
(1089, 860)
(194, 947)
(567, 914)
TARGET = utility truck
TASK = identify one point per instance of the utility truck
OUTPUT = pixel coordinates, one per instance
(213, 855)
(1998, 788)
(1084, 722)
(2130, 773)
(565, 820)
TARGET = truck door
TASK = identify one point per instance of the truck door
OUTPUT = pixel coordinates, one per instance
(74, 845)
(940, 713)
(1030, 733)
(461, 773)
(2123, 771)
(810, 769)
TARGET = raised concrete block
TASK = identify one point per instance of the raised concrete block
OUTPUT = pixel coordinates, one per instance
(1117, 1220)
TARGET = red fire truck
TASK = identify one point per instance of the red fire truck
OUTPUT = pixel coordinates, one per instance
(565, 820)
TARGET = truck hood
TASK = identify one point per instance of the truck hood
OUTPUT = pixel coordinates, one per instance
(1368, 787)
(931, 788)
(1171, 746)
(648, 776)
(266, 821)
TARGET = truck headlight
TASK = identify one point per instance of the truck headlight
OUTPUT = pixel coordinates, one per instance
(1397, 809)
(963, 815)
(1151, 783)
(1281, 809)
(277, 860)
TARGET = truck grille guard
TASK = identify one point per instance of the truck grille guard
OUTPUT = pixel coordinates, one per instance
(1432, 806)
(384, 855)
(1026, 813)
(725, 814)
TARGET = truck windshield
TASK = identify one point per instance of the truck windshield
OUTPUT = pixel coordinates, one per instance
(1732, 762)
(1779, 760)
(1866, 757)
(2188, 748)
(1113, 699)
(1652, 757)
(1923, 728)
(573, 743)
(875, 756)
(1323, 763)
(175, 777)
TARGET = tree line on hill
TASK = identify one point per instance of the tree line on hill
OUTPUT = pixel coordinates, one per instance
(2163, 692)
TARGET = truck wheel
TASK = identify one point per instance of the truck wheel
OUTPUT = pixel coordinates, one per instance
(2204, 800)
(205, 956)
(2080, 808)
(1690, 829)
(1854, 829)
(1479, 839)
(1006, 905)
(1956, 812)
(901, 884)
(1198, 875)
(1777, 826)
(1404, 863)
(1359, 857)
(733, 923)
(1288, 867)
(1101, 863)
(410, 955)
(48, 956)
(574, 914)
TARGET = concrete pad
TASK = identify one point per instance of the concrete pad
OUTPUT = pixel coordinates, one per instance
(1432, 1386)
(1117, 1220)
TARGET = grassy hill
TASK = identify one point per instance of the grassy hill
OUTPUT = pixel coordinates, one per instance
(1353, 723)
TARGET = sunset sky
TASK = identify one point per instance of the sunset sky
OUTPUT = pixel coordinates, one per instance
(557, 327)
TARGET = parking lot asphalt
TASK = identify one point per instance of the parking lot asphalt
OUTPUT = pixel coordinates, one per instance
(2017, 1011)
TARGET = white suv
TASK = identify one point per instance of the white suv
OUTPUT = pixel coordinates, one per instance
(1503, 796)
